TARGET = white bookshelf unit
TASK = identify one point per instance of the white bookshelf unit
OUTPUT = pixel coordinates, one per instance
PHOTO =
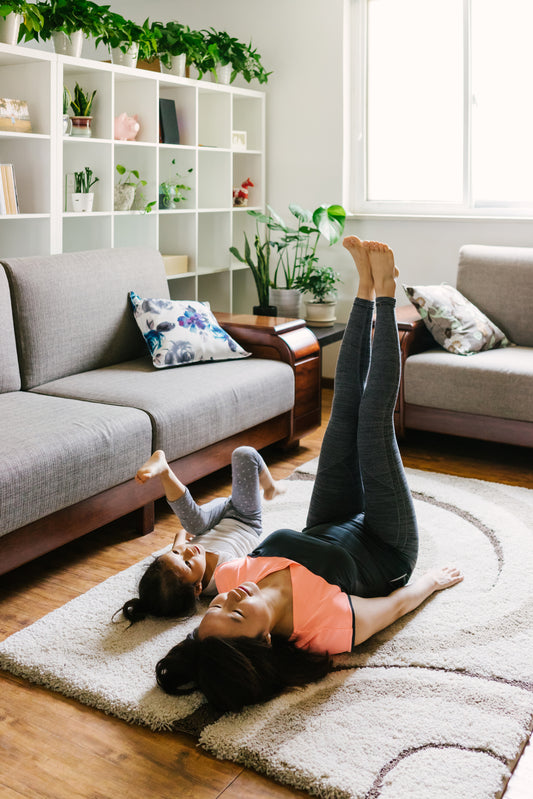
(202, 227)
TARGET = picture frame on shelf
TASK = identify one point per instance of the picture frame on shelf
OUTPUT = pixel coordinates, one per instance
(238, 140)
(14, 115)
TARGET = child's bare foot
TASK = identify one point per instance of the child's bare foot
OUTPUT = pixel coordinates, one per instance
(384, 272)
(155, 466)
(446, 576)
(274, 490)
(359, 253)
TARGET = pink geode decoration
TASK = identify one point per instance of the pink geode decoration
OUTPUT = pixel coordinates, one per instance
(126, 127)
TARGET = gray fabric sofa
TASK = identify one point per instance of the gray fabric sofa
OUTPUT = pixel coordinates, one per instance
(81, 405)
(488, 395)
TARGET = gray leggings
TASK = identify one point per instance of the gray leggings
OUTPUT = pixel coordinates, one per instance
(360, 469)
(244, 504)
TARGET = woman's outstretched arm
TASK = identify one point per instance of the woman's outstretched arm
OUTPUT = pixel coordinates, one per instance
(376, 613)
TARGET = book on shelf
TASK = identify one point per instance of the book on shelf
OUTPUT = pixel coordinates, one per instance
(14, 115)
(9, 189)
(70, 188)
(168, 122)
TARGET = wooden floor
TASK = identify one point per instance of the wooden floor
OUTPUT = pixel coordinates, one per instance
(54, 748)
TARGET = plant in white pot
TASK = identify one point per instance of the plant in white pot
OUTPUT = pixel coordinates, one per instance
(14, 14)
(83, 197)
(296, 249)
(178, 47)
(127, 41)
(66, 22)
(319, 283)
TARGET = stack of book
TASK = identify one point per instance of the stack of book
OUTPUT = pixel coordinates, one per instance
(9, 203)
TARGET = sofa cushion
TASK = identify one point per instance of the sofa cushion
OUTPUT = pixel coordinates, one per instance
(179, 332)
(72, 311)
(499, 280)
(453, 321)
(9, 369)
(193, 406)
(56, 452)
(493, 383)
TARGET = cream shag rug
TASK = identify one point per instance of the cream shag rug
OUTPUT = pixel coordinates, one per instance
(439, 704)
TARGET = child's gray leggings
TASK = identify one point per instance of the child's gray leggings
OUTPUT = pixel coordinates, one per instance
(244, 504)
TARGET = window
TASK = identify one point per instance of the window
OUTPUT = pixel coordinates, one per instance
(442, 108)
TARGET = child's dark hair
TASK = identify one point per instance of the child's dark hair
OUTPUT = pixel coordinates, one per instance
(161, 593)
(234, 672)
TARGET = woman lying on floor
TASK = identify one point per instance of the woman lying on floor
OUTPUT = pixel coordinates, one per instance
(299, 598)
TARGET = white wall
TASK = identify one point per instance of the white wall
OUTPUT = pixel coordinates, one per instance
(301, 41)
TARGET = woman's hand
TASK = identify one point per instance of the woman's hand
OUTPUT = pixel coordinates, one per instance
(445, 577)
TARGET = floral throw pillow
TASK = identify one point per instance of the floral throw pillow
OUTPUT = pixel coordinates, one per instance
(179, 332)
(453, 321)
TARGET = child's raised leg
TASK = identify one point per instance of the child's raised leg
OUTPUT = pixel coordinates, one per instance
(249, 473)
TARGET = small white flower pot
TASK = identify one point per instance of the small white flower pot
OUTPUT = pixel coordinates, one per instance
(9, 28)
(68, 45)
(178, 64)
(224, 73)
(320, 314)
(127, 59)
(82, 202)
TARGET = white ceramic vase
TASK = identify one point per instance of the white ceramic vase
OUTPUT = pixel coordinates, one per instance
(287, 301)
(82, 202)
(9, 28)
(320, 314)
(68, 45)
(178, 65)
(127, 59)
(224, 73)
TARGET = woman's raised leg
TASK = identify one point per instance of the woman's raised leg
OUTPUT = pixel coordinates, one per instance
(338, 490)
(389, 511)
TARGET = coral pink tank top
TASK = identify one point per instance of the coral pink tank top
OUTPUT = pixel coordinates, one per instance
(323, 617)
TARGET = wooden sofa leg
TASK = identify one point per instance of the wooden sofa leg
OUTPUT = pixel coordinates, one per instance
(145, 518)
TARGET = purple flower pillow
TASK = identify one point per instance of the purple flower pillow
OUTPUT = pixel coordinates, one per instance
(179, 332)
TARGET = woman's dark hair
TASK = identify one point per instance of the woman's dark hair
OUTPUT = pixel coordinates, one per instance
(161, 593)
(234, 672)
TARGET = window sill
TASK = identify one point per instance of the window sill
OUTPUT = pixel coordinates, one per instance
(435, 217)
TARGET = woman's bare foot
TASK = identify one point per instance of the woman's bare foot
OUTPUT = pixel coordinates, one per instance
(155, 466)
(446, 576)
(384, 272)
(359, 253)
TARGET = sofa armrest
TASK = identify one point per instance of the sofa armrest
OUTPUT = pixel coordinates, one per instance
(290, 341)
(414, 337)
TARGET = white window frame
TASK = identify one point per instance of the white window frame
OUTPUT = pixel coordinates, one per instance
(355, 134)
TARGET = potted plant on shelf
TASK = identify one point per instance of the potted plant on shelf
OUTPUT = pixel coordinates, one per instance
(320, 283)
(177, 47)
(260, 269)
(128, 191)
(81, 104)
(127, 41)
(66, 22)
(14, 13)
(226, 57)
(296, 248)
(171, 192)
(83, 197)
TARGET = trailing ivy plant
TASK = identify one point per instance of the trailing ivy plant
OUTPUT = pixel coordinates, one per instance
(32, 19)
(122, 33)
(176, 39)
(66, 16)
(131, 177)
(221, 48)
(172, 191)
